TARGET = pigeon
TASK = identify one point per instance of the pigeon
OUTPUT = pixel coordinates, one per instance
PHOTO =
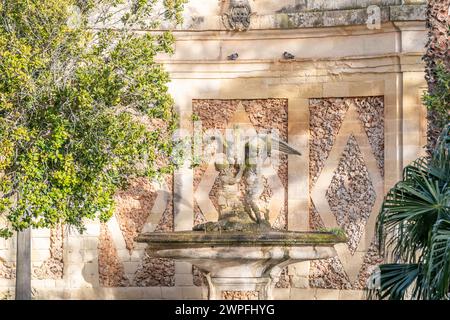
(288, 55)
(233, 56)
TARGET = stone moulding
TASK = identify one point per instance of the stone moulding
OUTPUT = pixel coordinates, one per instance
(303, 19)
(348, 170)
(229, 239)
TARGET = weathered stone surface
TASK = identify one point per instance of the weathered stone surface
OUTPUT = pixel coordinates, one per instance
(134, 205)
(53, 267)
(241, 225)
(237, 261)
(327, 273)
(181, 239)
(437, 13)
(199, 278)
(348, 61)
(7, 269)
(326, 18)
(155, 272)
(240, 295)
(314, 13)
(371, 114)
(350, 195)
(407, 12)
(110, 269)
(326, 116)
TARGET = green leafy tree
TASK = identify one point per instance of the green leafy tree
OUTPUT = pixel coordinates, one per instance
(83, 106)
(414, 225)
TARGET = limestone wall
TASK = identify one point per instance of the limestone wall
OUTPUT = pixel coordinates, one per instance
(350, 101)
(285, 14)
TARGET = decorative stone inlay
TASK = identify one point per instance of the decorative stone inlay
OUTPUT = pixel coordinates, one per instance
(53, 267)
(284, 280)
(240, 295)
(351, 195)
(346, 169)
(326, 116)
(438, 46)
(7, 269)
(327, 273)
(143, 206)
(133, 207)
(155, 272)
(199, 277)
(371, 114)
(110, 269)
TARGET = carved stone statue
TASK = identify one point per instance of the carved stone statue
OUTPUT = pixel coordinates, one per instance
(238, 16)
(246, 212)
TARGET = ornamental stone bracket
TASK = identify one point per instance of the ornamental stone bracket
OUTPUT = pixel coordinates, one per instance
(238, 16)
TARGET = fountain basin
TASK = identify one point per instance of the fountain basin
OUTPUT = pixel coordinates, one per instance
(237, 261)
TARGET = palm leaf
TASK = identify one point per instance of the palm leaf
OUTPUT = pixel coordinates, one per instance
(414, 227)
(395, 280)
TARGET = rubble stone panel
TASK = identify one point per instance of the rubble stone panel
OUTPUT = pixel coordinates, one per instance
(351, 195)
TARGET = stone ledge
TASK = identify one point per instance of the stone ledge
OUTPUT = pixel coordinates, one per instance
(292, 19)
(191, 239)
(321, 5)
(329, 18)
(408, 12)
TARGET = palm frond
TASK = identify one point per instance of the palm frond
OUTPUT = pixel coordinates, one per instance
(395, 280)
(414, 227)
(437, 270)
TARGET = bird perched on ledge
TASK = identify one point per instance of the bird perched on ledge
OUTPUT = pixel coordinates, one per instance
(288, 56)
(233, 56)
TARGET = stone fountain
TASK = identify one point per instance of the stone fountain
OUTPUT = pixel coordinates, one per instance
(241, 251)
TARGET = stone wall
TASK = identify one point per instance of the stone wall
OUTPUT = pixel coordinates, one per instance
(438, 12)
(288, 14)
(351, 195)
(134, 207)
(350, 100)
